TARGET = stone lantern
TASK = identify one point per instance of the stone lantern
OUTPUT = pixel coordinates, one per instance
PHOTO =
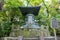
(29, 13)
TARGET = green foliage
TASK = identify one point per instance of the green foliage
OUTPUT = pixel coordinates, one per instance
(4, 28)
(13, 3)
(35, 2)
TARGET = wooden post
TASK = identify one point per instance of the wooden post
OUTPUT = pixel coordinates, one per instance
(20, 38)
(55, 34)
(54, 25)
(1, 4)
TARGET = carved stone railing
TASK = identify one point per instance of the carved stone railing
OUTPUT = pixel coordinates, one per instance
(21, 38)
(18, 38)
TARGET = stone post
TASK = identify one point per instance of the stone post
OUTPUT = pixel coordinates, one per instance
(5, 38)
(20, 38)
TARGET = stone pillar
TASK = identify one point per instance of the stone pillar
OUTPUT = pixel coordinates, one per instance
(20, 38)
(41, 37)
(5, 38)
